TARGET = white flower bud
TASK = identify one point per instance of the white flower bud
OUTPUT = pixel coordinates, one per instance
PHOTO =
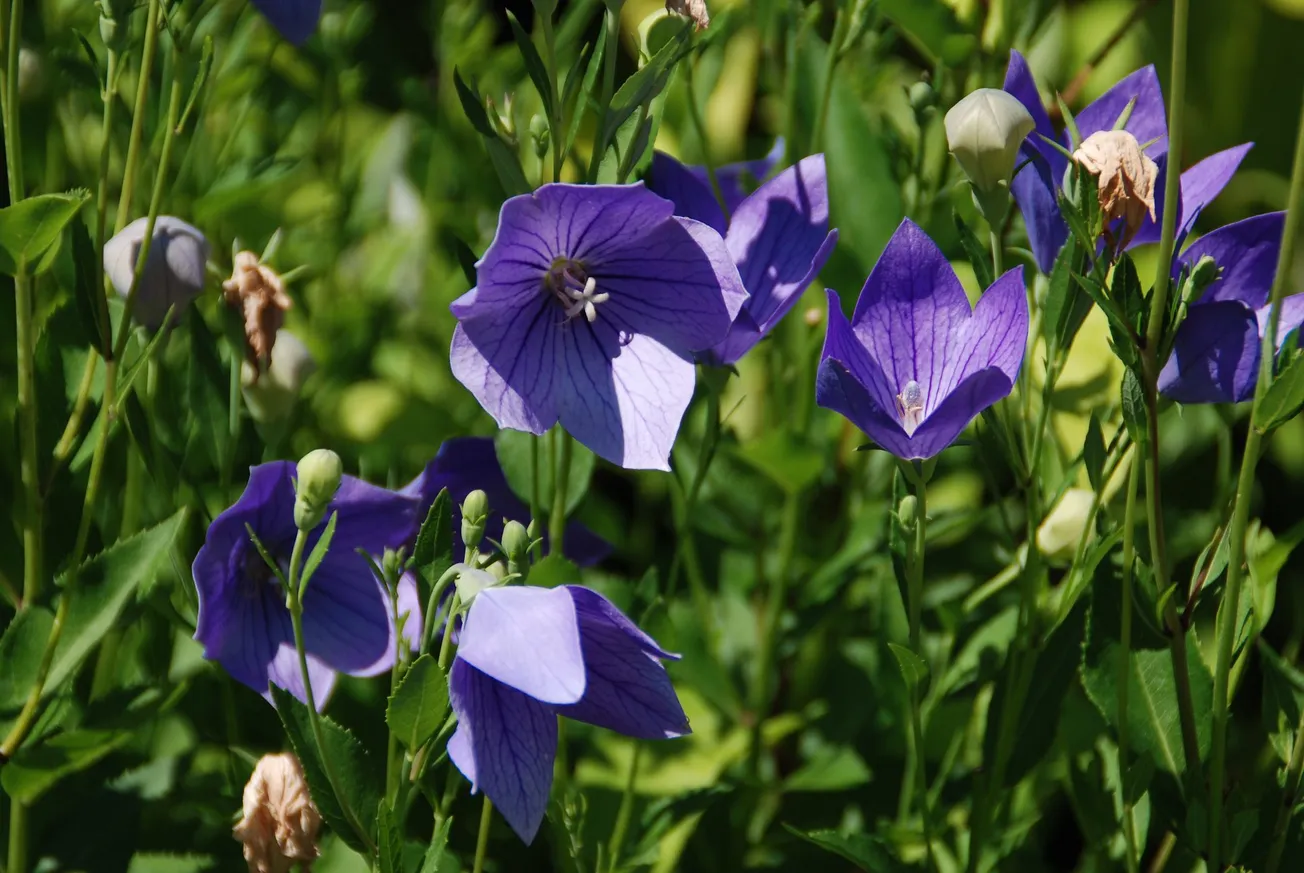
(984, 131)
(1125, 179)
(271, 395)
(1062, 529)
(319, 475)
(280, 823)
(174, 273)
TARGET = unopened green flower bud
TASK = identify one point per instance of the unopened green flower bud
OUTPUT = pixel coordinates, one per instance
(1205, 272)
(539, 135)
(113, 23)
(516, 545)
(475, 514)
(1062, 530)
(391, 564)
(31, 75)
(922, 97)
(984, 131)
(907, 511)
(319, 475)
(470, 581)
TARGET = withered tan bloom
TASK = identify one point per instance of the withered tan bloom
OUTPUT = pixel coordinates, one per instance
(694, 9)
(258, 292)
(280, 823)
(1125, 180)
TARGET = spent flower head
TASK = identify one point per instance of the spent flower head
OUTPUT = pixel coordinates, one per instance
(1125, 181)
(279, 823)
(258, 293)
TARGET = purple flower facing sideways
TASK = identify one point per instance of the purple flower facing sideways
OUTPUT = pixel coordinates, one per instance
(915, 365)
(1217, 349)
(1035, 186)
(527, 655)
(348, 628)
(779, 236)
(589, 306)
(465, 464)
(295, 19)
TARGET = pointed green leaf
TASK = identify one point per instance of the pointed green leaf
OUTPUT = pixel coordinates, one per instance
(419, 705)
(1093, 453)
(914, 669)
(1284, 397)
(533, 63)
(37, 768)
(435, 539)
(319, 551)
(866, 852)
(389, 837)
(975, 251)
(438, 859)
(31, 226)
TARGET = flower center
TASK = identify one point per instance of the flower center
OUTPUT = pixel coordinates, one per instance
(257, 574)
(574, 289)
(910, 406)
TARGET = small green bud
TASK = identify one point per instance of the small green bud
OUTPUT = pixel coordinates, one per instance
(539, 135)
(922, 97)
(471, 581)
(319, 475)
(1205, 272)
(907, 510)
(516, 545)
(475, 514)
(391, 564)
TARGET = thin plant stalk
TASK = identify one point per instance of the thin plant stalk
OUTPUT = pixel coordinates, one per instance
(695, 114)
(1241, 510)
(17, 854)
(148, 52)
(840, 23)
(1125, 640)
(626, 812)
(557, 134)
(482, 839)
(915, 595)
(560, 477)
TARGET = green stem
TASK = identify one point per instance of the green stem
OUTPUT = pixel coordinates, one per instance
(1172, 179)
(840, 24)
(617, 842)
(1241, 510)
(393, 756)
(695, 113)
(915, 595)
(1289, 797)
(446, 644)
(1125, 635)
(27, 716)
(138, 113)
(482, 839)
(17, 861)
(612, 25)
(998, 253)
(560, 478)
(557, 134)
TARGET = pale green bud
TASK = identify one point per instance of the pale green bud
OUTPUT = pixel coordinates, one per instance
(470, 581)
(539, 135)
(984, 131)
(475, 514)
(516, 546)
(907, 510)
(1062, 529)
(922, 97)
(1205, 272)
(319, 475)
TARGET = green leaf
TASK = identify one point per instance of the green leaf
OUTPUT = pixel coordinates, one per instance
(419, 706)
(21, 648)
(914, 669)
(37, 768)
(435, 539)
(208, 389)
(582, 87)
(92, 305)
(533, 64)
(31, 226)
(835, 769)
(471, 105)
(1283, 700)
(647, 83)
(507, 164)
(319, 551)
(1093, 453)
(552, 571)
(157, 862)
(1284, 397)
(866, 852)
(788, 461)
(1267, 556)
(515, 448)
(932, 27)
(1134, 409)
(389, 840)
(979, 258)
(1067, 304)
(438, 859)
(360, 776)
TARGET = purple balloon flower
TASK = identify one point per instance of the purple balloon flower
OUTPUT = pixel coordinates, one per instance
(589, 306)
(915, 365)
(1217, 349)
(347, 623)
(465, 464)
(295, 19)
(690, 187)
(1035, 186)
(526, 655)
(779, 236)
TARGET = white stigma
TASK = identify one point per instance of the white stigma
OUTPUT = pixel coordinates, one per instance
(585, 300)
(910, 406)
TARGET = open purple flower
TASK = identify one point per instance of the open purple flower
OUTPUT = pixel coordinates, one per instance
(465, 464)
(348, 628)
(527, 655)
(779, 236)
(1035, 187)
(589, 306)
(690, 186)
(915, 365)
(295, 19)
(1217, 349)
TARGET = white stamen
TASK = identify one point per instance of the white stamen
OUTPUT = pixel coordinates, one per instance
(910, 406)
(586, 300)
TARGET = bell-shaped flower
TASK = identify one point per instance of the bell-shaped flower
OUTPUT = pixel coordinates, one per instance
(1217, 348)
(348, 627)
(467, 464)
(294, 19)
(778, 235)
(174, 270)
(915, 364)
(589, 306)
(985, 131)
(527, 655)
(1036, 186)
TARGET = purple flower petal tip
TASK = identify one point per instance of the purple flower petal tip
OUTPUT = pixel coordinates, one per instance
(295, 19)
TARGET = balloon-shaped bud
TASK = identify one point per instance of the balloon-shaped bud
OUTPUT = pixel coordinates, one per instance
(319, 475)
(271, 395)
(984, 131)
(475, 515)
(516, 546)
(174, 269)
(1062, 529)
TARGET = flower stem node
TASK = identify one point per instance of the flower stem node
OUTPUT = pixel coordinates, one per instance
(516, 546)
(984, 132)
(475, 515)
(319, 475)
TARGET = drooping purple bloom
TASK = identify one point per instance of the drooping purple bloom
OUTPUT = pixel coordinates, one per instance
(779, 236)
(348, 627)
(526, 655)
(915, 364)
(295, 19)
(1217, 349)
(465, 464)
(1036, 186)
(589, 306)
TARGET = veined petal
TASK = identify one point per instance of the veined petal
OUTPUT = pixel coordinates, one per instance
(1247, 253)
(1215, 356)
(295, 19)
(346, 621)
(628, 690)
(369, 518)
(945, 423)
(529, 639)
(1035, 189)
(693, 197)
(1148, 120)
(1020, 83)
(507, 747)
(733, 176)
(590, 223)
(1205, 181)
(259, 627)
(510, 363)
(624, 393)
(995, 336)
(1292, 316)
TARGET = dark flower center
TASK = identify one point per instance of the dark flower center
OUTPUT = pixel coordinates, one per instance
(257, 575)
(910, 406)
(574, 289)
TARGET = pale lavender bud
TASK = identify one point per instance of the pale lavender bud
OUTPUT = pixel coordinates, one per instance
(984, 131)
(174, 272)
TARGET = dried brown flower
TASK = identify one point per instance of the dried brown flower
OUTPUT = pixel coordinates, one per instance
(280, 823)
(1125, 180)
(258, 292)
(694, 9)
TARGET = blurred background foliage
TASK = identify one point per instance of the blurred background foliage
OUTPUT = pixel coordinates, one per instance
(357, 148)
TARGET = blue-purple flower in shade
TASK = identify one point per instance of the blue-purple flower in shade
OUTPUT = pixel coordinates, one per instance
(295, 19)
(1035, 186)
(1217, 349)
(347, 622)
(465, 464)
(915, 364)
(527, 655)
(690, 186)
(589, 306)
(779, 236)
